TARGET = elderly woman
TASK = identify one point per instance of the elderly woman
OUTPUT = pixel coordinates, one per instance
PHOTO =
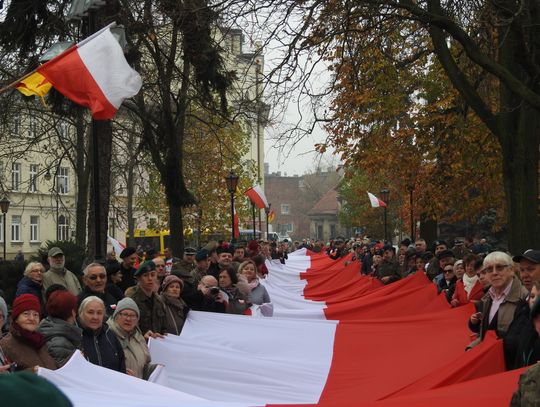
(176, 308)
(237, 292)
(468, 288)
(23, 345)
(258, 294)
(99, 343)
(124, 324)
(32, 282)
(63, 336)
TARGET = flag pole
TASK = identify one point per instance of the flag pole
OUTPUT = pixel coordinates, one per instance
(254, 226)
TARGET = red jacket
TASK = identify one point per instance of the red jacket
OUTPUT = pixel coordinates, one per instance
(460, 294)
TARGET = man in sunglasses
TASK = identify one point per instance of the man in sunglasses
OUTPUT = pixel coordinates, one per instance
(95, 283)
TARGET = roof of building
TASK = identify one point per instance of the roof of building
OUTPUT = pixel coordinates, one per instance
(327, 205)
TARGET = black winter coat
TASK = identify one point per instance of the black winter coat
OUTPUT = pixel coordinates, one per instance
(102, 348)
(28, 286)
(107, 298)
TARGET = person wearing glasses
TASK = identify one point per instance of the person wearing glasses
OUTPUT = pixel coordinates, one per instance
(95, 284)
(498, 308)
(125, 325)
(25, 348)
(32, 282)
(447, 284)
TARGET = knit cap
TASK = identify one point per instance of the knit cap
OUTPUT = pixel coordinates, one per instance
(25, 302)
(126, 303)
(169, 280)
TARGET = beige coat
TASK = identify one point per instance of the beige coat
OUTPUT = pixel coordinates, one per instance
(65, 278)
(135, 350)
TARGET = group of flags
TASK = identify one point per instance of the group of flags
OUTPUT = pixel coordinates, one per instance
(93, 73)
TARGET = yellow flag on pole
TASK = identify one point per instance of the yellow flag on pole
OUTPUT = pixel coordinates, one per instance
(35, 84)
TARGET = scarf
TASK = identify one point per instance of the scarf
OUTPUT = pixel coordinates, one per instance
(469, 282)
(34, 339)
(254, 283)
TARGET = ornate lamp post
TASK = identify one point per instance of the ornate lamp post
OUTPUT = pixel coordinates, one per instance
(232, 183)
(384, 196)
(4, 206)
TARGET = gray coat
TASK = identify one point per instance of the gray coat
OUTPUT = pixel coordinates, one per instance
(62, 338)
(259, 295)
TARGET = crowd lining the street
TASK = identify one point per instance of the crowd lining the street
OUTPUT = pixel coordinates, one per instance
(121, 304)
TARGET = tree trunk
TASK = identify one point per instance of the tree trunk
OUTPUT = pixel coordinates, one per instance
(176, 225)
(130, 196)
(519, 137)
(82, 174)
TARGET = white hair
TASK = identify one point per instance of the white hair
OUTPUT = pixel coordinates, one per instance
(90, 266)
(87, 302)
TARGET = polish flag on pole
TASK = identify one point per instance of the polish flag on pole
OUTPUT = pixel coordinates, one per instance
(256, 194)
(94, 73)
(236, 231)
(375, 202)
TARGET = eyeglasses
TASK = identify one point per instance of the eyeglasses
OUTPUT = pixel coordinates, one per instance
(96, 276)
(37, 271)
(497, 267)
(128, 316)
(448, 270)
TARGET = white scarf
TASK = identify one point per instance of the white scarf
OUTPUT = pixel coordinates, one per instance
(469, 282)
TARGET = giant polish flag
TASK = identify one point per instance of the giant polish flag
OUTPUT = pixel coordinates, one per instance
(94, 73)
(256, 195)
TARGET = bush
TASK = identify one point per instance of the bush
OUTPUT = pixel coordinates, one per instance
(11, 272)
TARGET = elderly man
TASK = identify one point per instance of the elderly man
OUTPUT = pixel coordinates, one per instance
(160, 269)
(436, 266)
(388, 270)
(95, 283)
(152, 308)
(529, 267)
(421, 246)
(58, 274)
(127, 268)
(202, 264)
(505, 299)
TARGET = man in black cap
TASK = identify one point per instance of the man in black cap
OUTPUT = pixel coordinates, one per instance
(529, 267)
(225, 256)
(152, 309)
(127, 267)
(433, 265)
(460, 249)
(187, 263)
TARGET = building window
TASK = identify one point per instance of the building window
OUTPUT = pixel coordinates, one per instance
(62, 180)
(63, 130)
(32, 127)
(16, 228)
(33, 178)
(34, 228)
(288, 227)
(1, 228)
(2, 179)
(15, 176)
(112, 227)
(16, 127)
(62, 232)
(285, 209)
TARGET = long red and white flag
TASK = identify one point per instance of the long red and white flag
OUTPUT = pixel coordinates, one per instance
(375, 202)
(257, 196)
(94, 73)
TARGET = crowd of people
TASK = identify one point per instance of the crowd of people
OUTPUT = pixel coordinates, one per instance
(121, 304)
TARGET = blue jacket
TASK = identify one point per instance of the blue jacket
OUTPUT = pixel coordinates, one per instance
(102, 348)
(28, 286)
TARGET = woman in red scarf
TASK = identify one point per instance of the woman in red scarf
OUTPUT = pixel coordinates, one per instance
(23, 345)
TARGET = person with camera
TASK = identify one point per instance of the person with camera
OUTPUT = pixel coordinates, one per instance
(237, 292)
(207, 297)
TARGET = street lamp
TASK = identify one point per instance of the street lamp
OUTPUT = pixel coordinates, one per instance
(384, 196)
(410, 188)
(267, 212)
(232, 183)
(4, 206)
